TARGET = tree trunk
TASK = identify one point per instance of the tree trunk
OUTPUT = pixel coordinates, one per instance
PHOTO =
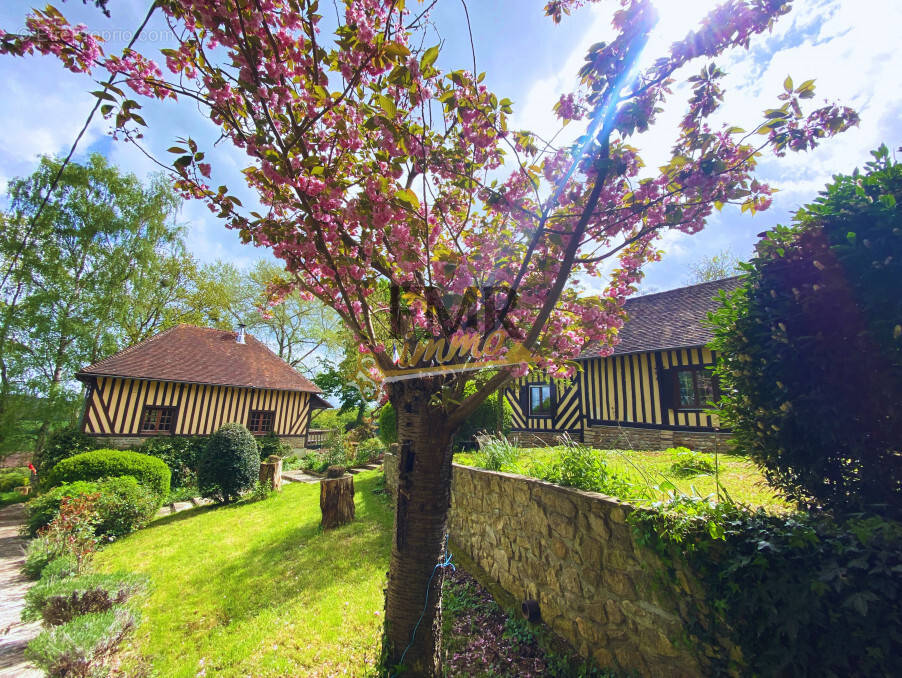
(271, 473)
(421, 510)
(336, 501)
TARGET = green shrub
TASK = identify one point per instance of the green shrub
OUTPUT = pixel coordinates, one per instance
(123, 506)
(368, 451)
(334, 452)
(388, 425)
(82, 647)
(60, 568)
(810, 347)
(10, 480)
(181, 455)
(271, 444)
(149, 471)
(69, 534)
(45, 507)
(292, 462)
(495, 452)
(61, 445)
(688, 463)
(229, 465)
(39, 553)
(57, 601)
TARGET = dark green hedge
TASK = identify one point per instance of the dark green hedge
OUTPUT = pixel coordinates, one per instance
(811, 348)
(149, 471)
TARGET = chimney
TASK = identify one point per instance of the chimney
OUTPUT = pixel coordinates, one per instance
(239, 337)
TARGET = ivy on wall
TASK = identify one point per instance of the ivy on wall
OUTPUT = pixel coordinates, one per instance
(798, 595)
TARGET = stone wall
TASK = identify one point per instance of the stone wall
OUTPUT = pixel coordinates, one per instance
(574, 553)
(634, 438)
(538, 438)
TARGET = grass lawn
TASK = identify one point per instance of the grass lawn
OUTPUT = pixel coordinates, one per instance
(256, 589)
(644, 470)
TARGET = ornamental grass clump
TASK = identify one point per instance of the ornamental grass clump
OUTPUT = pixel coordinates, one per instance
(688, 463)
(495, 451)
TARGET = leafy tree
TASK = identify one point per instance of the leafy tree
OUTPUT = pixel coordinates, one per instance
(811, 347)
(374, 168)
(724, 264)
(68, 267)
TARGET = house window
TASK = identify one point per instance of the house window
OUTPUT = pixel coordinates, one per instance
(260, 421)
(694, 389)
(540, 400)
(157, 419)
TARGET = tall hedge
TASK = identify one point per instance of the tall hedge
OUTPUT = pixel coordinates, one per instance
(229, 464)
(148, 471)
(811, 347)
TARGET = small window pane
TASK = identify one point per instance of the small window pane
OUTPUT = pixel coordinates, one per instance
(261, 421)
(705, 387)
(540, 399)
(157, 419)
(687, 388)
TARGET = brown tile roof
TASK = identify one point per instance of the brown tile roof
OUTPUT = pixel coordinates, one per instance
(202, 355)
(671, 319)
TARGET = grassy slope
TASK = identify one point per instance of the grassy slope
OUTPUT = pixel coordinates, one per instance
(257, 590)
(738, 475)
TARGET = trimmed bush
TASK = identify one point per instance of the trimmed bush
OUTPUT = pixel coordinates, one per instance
(57, 601)
(82, 647)
(810, 348)
(181, 455)
(61, 445)
(229, 465)
(149, 471)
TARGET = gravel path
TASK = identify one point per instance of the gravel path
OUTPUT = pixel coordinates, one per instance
(14, 635)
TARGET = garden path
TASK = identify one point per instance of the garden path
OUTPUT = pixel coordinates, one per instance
(14, 634)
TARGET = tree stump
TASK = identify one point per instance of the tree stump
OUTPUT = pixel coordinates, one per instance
(336, 501)
(271, 473)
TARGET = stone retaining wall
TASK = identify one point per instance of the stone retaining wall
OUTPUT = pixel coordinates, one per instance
(575, 554)
(634, 438)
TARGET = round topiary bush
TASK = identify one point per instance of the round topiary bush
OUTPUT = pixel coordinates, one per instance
(229, 465)
(148, 471)
(811, 348)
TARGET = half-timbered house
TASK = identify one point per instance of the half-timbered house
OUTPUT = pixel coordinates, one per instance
(189, 381)
(652, 392)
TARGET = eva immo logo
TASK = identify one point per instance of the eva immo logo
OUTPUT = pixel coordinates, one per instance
(465, 352)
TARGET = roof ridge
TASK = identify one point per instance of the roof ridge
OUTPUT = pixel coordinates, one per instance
(684, 287)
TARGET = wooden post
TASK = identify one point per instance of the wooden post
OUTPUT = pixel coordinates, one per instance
(336, 501)
(271, 472)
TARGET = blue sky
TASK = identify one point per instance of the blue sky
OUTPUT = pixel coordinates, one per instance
(849, 47)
